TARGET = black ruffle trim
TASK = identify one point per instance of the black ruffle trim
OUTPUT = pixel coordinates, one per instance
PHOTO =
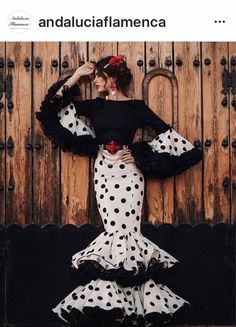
(97, 317)
(92, 270)
(162, 165)
(84, 145)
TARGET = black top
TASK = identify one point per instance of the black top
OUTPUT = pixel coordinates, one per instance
(118, 119)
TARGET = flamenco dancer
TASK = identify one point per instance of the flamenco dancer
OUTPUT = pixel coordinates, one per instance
(121, 274)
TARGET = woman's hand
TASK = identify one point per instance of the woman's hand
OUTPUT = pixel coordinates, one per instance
(85, 69)
(127, 156)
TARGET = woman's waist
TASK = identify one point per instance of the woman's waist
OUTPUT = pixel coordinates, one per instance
(113, 146)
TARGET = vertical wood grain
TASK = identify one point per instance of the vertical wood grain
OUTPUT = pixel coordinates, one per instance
(2, 136)
(19, 131)
(160, 194)
(232, 139)
(188, 191)
(216, 128)
(47, 199)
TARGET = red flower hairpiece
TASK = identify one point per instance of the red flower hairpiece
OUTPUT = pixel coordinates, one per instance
(115, 61)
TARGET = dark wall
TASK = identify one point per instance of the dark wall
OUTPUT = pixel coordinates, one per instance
(36, 273)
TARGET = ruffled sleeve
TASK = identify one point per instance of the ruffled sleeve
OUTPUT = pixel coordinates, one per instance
(168, 154)
(60, 122)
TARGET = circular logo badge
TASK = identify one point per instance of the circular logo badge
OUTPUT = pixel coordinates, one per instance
(19, 21)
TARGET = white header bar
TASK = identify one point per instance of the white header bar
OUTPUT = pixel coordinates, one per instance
(122, 20)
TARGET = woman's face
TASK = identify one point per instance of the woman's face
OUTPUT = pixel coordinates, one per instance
(101, 84)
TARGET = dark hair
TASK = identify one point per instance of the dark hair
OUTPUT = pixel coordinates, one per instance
(120, 72)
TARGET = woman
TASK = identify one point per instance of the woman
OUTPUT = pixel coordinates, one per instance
(121, 274)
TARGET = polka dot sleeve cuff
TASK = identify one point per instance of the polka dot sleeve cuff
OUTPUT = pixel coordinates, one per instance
(168, 154)
(60, 123)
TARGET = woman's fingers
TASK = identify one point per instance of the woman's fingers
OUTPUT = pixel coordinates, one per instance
(127, 157)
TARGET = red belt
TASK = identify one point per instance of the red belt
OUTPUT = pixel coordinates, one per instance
(112, 146)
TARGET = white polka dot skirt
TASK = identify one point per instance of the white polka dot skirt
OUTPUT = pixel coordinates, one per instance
(121, 273)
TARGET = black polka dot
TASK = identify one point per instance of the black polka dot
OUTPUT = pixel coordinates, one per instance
(105, 221)
(123, 200)
(175, 139)
(183, 141)
(184, 149)
(123, 176)
(123, 226)
(99, 297)
(132, 258)
(122, 166)
(152, 303)
(66, 112)
(117, 185)
(135, 229)
(113, 223)
(70, 125)
(158, 297)
(74, 296)
(151, 285)
(112, 198)
(110, 166)
(133, 248)
(96, 181)
(128, 188)
(163, 147)
(148, 293)
(96, 289)
(82, 296)
(101, 162)
(90, 287)
(104, 210)
(133, 211)
(175, 306)
(108, 286)
(116, 210)
(101, 196)
(127, 214)
(69, 307)
(108, 304)
(103, 186)
(90, 300)
(110, 294)
(107, 242)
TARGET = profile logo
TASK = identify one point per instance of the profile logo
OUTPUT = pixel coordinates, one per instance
(19, 21)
